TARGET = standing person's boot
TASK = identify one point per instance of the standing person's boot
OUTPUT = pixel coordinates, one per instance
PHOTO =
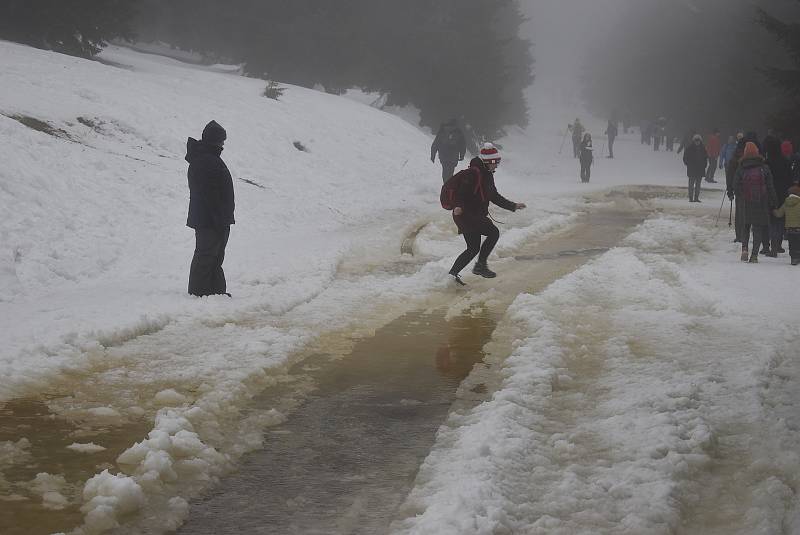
(753, 258)
(483, 270)
(745, 254)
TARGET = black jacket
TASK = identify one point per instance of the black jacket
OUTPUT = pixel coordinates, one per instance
(696, 159)
(210, 187)
(474, 196)
(449, 143)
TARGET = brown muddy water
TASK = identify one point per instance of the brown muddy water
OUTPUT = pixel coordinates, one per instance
(346, 457)
(360, 417)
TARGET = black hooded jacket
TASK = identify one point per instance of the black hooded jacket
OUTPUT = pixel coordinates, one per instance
(211, 201)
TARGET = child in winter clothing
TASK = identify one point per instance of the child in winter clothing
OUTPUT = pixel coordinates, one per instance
(791, 211)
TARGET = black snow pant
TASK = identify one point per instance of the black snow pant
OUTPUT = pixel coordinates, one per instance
(586, 171)
(474, 247)
(448, 169)
(776, 230)
(670, 144)
(206, 276)
(694, 188)
(738, 223)
(576, 147)
(793, 236)
(611, 147)
(656, 142)
(760, 237)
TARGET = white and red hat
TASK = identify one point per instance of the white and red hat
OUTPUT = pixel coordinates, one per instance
(489, 153)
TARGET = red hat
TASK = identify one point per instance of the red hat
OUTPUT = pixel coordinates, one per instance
(489, 153)
(751, 150)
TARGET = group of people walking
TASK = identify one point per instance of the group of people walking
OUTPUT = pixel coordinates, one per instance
(761, 178)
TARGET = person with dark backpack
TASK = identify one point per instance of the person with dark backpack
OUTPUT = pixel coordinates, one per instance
(468, 194)
(451, 146)
(753, 185)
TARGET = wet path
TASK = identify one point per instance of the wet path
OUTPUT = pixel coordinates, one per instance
(348, 455)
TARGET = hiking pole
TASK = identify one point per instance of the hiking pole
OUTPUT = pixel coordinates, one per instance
(724, 194)
(730, 215)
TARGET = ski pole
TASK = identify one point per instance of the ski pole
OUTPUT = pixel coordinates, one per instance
(730, 215)
(720, 208)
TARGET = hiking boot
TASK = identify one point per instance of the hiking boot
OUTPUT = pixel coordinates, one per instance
(772, 254)
(780, 250)
(764, 250)
(753, 258)
(795, 261)
(745, 255)
(483, 270)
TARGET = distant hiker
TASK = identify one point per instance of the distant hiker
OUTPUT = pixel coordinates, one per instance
(790, 210)
(696, 160)
(645, 131)
(577, 130)
(731, 166)
(451, 146)
(211, 208)
(468, 194)
(753, 186)
(779, 163)
(726, 152)
(611, 132)
(586, 157)
(713, 147)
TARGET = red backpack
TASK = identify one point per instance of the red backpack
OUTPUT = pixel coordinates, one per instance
(754, 184)
(450, 188)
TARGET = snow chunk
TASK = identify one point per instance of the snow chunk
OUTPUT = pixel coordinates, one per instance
(90, 447)
(169, 397)
(107, 497)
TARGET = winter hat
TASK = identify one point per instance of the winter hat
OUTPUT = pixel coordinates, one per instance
(489, 153)
(787, 149)
(751, 150)
(214, 133)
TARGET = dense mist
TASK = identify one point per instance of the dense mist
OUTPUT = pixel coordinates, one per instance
(700, 64)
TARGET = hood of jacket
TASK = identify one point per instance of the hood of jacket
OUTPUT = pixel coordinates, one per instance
(793, 199)
(196, 149)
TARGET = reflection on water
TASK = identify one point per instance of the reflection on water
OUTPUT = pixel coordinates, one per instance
(47, 435)
(347, 456)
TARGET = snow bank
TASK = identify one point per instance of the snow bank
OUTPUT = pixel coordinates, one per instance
(625, 376)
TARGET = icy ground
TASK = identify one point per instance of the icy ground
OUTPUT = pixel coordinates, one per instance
(631, 383)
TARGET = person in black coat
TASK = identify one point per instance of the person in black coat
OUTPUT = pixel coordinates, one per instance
(451, 146)
(696, 160)
(471, 211)
(211, 206)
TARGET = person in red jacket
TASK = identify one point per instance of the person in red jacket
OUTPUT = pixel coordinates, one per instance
(471, 212)
(713, 148)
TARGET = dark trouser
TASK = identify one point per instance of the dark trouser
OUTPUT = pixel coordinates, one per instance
(694, 188)
(712, 168)
(611, 147)
(586, 171)
(776, 230)
(670, 144)
(448, 169)
(760, 236)
(793, 236)
(474, 247)
(206, 276)
(576, 147)
(656, 142)
(739, 220)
